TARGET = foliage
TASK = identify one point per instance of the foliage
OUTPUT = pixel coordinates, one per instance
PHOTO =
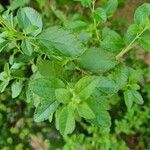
(72, 70)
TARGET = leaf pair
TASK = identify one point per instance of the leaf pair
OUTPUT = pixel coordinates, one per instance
(131, 96)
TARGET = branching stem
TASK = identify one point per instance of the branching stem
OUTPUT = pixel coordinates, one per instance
(130, 46)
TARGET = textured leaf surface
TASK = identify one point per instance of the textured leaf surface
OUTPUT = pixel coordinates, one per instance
(29, 20)
(102, 116)
(18, 3)
(100, 15)
(66, 121)
(63, 95)
(121, 75)
(45, 87)
(144, 41)
(112, 41)
(49, 68)
(85, 86)
(142, 15)
(132, 96)
(105, 87)
(132, 32)
(111, 7)
(128, 97)
(85, 111)
(45, 109)
(60, 41)
(26, 47)
(97, 60)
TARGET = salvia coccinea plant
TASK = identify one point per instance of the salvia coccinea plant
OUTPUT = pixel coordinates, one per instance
(65, 78)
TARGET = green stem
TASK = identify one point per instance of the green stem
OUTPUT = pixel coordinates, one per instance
(94, 21)
(130, 46)
(5, 24)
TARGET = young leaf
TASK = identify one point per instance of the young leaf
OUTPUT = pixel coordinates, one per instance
(100, 15)
(97, 60)
(63, 95)
(66, 121)
(86, 86)
(128, 97)
(45, 109)
(132, 96)
(29, 20)
(16, 88)
(137, 97)
(57, 40)
(85, 111)
(111, 7)
(26, 47)
(45, 88)
(142, 15)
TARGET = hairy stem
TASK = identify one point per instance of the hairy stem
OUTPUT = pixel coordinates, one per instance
(130, 46)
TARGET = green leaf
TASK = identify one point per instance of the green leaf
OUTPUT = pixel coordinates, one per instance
(57, 40)
(100, 15)
(29, 20)
(5, 77)
(99, 107)
(49, 68)
(86, 86)
(102, 119)
(76, 25)
(142, 15)
(45, 88)
(85, 3)
(3, 86)
(137, 97)
(63, 95)
(16, 88)
(3, 44)
(131, 96)
(111, 7)
(66, 121)
(85, 111)
(105, 87)
(121, 75)
(45, 109)
(112, 41)
(128, 97)
(131, 33)
(144, 41)
(97, 60)
(18, 3)
(26, 47)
